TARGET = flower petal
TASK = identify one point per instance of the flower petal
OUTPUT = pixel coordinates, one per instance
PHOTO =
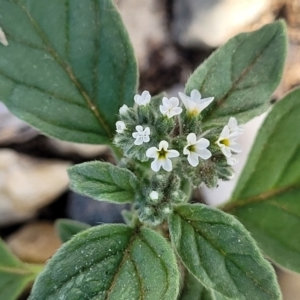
(195, 95)
(174, 101)
(185, 100)
(236, 147)
(175, 111)
(146, 138)
(226, 151)
(202, 143)
(167, 164)
(155, 165)
(172, 153)
(186, 151)
(139, 128)
(232, 123)
(146, 97)
(138, 141)
(135, 135)
(147, 131)
(152, 152)
(193, 159)
(163, 109)
(205, 102)
(165, 101)
(191, 138)
(123, 109)
(137, 99)
(204, 153)
(163, 145)
(225, 133)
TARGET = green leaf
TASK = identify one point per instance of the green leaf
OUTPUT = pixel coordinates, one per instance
(194, 290)
(15, 276)
(113, 262)
(66, 228)
(221, 254)
(266, 198)
(241, 75)
(103, 181)
(68, 67)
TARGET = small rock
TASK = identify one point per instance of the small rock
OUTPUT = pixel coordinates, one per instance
(28, 184)
(146, 25)
(210, 23)
(12, 129)
(291, 74)
(84, 150)
(290, 285)
(35, 242)
(293, 13)
(93, 212)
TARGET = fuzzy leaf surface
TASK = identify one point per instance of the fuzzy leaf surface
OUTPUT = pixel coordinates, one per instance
(114, 262)
(14, 275)
(68, 67)
(193, 289)
(221, 254)
(241, 75)
(66, 228)
(266, 198)
(103, 181)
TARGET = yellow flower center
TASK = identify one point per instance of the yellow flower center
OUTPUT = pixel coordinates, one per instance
(193, 113)
(225, 142)
(191, 148)
(162, 154)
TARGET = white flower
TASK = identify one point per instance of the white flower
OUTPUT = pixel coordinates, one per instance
(227, 142)
(142, 99)
(195, 149)
(231, 161)
(194, 104)
(120, 126)
(141, 135)
(170, 107)
(233, 125)
(123, 109)
(162, 156)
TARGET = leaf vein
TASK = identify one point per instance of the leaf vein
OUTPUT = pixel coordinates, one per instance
(126, 253)
(67, 68)
(224, 254)
(51, 94)
(242, 75)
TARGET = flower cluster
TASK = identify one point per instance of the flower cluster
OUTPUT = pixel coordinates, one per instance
(169, 133)
(156, 131)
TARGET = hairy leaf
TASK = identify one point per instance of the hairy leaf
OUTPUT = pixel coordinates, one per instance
(193, 289)
(15, 276)
(66, 228)
(112, 262)
(68, 67)
(221, 254)
(266, 198)
(241, 75)
(103, 181)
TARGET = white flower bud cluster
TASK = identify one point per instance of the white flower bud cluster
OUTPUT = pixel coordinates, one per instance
(157, 200)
